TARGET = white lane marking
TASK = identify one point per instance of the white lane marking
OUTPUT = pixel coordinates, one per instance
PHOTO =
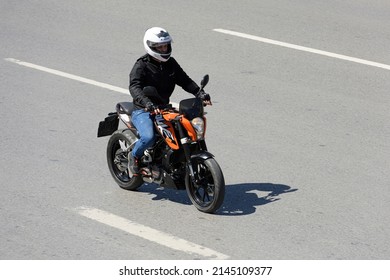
(301, 48)
(74, 77)
(67, 75)
(150, 234)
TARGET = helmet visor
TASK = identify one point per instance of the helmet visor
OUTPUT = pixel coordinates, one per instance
(160, 48)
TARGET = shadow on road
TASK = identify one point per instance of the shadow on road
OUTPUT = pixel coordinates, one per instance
(240, 199)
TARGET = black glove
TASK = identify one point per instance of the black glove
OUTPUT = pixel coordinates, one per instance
(204, 96)
(150, 107)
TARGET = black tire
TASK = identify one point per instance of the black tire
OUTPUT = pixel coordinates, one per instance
(118, 148)
(210, 193)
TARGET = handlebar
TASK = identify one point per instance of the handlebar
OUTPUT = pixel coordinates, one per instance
(169, 108)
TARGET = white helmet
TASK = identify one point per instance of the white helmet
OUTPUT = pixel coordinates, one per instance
(155, 37)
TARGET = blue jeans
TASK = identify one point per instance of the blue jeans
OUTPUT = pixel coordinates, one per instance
(143, 122)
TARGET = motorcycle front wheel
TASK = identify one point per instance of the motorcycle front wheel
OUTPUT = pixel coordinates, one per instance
(208, 192)
(118, 148)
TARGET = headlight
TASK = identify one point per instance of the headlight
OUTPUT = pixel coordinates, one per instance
(198, 124)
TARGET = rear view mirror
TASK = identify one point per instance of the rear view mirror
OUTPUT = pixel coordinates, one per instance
(204, 81)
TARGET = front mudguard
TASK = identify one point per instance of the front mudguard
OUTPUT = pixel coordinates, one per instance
(199, 156)
(202, 155)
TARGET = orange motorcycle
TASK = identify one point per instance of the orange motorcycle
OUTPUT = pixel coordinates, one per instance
(179, 158)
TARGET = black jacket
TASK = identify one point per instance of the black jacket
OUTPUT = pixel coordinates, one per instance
(163, 76)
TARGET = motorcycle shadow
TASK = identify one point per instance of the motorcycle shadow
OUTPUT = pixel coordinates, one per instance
(240, 199)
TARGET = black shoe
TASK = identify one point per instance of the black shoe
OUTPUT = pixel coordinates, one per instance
(133, 165)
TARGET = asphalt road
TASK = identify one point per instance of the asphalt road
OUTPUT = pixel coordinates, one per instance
(302, 137)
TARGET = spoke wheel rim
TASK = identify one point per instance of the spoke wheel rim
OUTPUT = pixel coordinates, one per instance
(204, 192)
(119, 154)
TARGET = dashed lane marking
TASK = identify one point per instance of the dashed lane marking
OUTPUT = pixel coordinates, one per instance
(302, 48)
(67, 75)
(149, 233)
(73, 77)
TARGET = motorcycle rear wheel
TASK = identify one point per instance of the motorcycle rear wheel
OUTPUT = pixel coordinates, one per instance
(119, 146)
(208, 194)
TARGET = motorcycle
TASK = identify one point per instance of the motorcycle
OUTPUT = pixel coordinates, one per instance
(178, 159)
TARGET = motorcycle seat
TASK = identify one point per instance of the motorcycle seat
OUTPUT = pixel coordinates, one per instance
(125, 108)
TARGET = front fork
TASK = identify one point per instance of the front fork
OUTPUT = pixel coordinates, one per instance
(185, 142)
(203, 154)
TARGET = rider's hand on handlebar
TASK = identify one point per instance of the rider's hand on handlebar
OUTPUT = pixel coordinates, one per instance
(150, 107)
(205, 98)
(207, 102)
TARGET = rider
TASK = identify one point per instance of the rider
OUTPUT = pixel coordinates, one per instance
(156, 71)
